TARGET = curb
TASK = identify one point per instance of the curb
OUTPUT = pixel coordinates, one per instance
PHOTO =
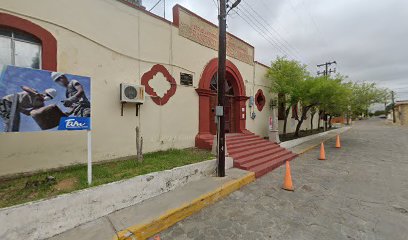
(146, 230)
(316, 145)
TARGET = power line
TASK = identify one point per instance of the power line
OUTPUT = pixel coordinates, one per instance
(216, 4)
(256, 22)
(256, 28)
(268, 26)
(155, 5)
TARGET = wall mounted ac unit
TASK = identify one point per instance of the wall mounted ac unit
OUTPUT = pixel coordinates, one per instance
(132, 93)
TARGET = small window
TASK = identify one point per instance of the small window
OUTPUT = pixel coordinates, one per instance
(19, 49)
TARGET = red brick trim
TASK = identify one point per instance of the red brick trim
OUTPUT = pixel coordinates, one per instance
(176, 21)
(260, 104)
(48, 42)
(149, 90)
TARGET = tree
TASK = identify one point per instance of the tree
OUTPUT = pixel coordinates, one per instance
(363, 96)
(285, 76)
(337, 99)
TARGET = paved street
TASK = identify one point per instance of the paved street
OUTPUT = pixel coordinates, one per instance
(359, 192)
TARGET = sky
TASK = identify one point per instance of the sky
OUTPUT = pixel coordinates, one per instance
(367, 39)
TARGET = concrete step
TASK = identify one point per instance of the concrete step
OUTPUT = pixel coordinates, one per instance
(265, 145)
(241, 138)
(251, 152)
(245, 143)
(267, 155)
(244, 157)
(259, 161)
(266, 167)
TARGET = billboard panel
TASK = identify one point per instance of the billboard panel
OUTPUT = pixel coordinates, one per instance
(38, 100)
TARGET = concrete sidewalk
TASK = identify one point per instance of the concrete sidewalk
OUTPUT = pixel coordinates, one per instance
(156, 214)
(305, 144)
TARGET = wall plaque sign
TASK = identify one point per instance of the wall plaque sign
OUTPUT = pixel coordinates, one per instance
(186, 79)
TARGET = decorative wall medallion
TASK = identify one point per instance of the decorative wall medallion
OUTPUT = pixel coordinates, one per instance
(159, 84)
(260, 100)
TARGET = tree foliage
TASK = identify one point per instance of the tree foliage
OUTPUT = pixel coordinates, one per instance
(286, 76)
(331, 96)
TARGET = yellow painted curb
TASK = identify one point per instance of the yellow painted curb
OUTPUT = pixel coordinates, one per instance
(144, 231)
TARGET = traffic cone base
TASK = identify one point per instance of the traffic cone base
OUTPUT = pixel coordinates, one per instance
(338, 145)
(287, 183)
(322, 152)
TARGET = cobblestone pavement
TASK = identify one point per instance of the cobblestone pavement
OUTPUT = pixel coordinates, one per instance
(359, 192)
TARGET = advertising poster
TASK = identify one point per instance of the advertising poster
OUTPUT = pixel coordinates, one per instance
(38, 100)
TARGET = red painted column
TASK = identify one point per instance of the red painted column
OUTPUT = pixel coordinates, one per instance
(204, 118)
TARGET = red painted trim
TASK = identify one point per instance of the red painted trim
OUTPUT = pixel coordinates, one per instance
(212, 67)
(204, 93)
(48, 42)
(176, 21)
(260, 105)
(149, 90)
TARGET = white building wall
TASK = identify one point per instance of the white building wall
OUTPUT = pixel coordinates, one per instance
(114, 43)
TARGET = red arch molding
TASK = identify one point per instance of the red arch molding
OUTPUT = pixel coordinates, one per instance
(204, 93)
(48, 42)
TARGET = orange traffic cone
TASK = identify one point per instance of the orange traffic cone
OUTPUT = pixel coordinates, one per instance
(322, 152)
(338, 145)
(287, 183)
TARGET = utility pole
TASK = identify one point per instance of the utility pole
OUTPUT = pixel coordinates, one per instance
(222, 57)
(393, 108)
(327, 71)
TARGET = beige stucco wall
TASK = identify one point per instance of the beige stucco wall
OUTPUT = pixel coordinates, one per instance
(306, 125)
(401, 114)
(114, 43)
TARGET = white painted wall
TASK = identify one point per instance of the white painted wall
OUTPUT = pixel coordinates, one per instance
(114, 43)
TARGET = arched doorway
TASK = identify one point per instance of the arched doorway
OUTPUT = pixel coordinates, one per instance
(235, 108)
(229, 110)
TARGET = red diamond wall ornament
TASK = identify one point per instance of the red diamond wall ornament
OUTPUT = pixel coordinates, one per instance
(168, 84)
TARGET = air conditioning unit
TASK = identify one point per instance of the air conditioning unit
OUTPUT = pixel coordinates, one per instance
(132, 93)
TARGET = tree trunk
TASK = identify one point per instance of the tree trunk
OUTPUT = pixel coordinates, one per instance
(311, 121)
(320, 119)
(286, 119)
(302, 118)
(330, 124)
(298, 127)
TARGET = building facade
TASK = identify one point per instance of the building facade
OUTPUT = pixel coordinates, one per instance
(114, 42)
(401, 112)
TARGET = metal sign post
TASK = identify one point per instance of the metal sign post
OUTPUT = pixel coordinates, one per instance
(89, 135)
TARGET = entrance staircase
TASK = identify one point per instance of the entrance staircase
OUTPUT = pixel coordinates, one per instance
(253, 153)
